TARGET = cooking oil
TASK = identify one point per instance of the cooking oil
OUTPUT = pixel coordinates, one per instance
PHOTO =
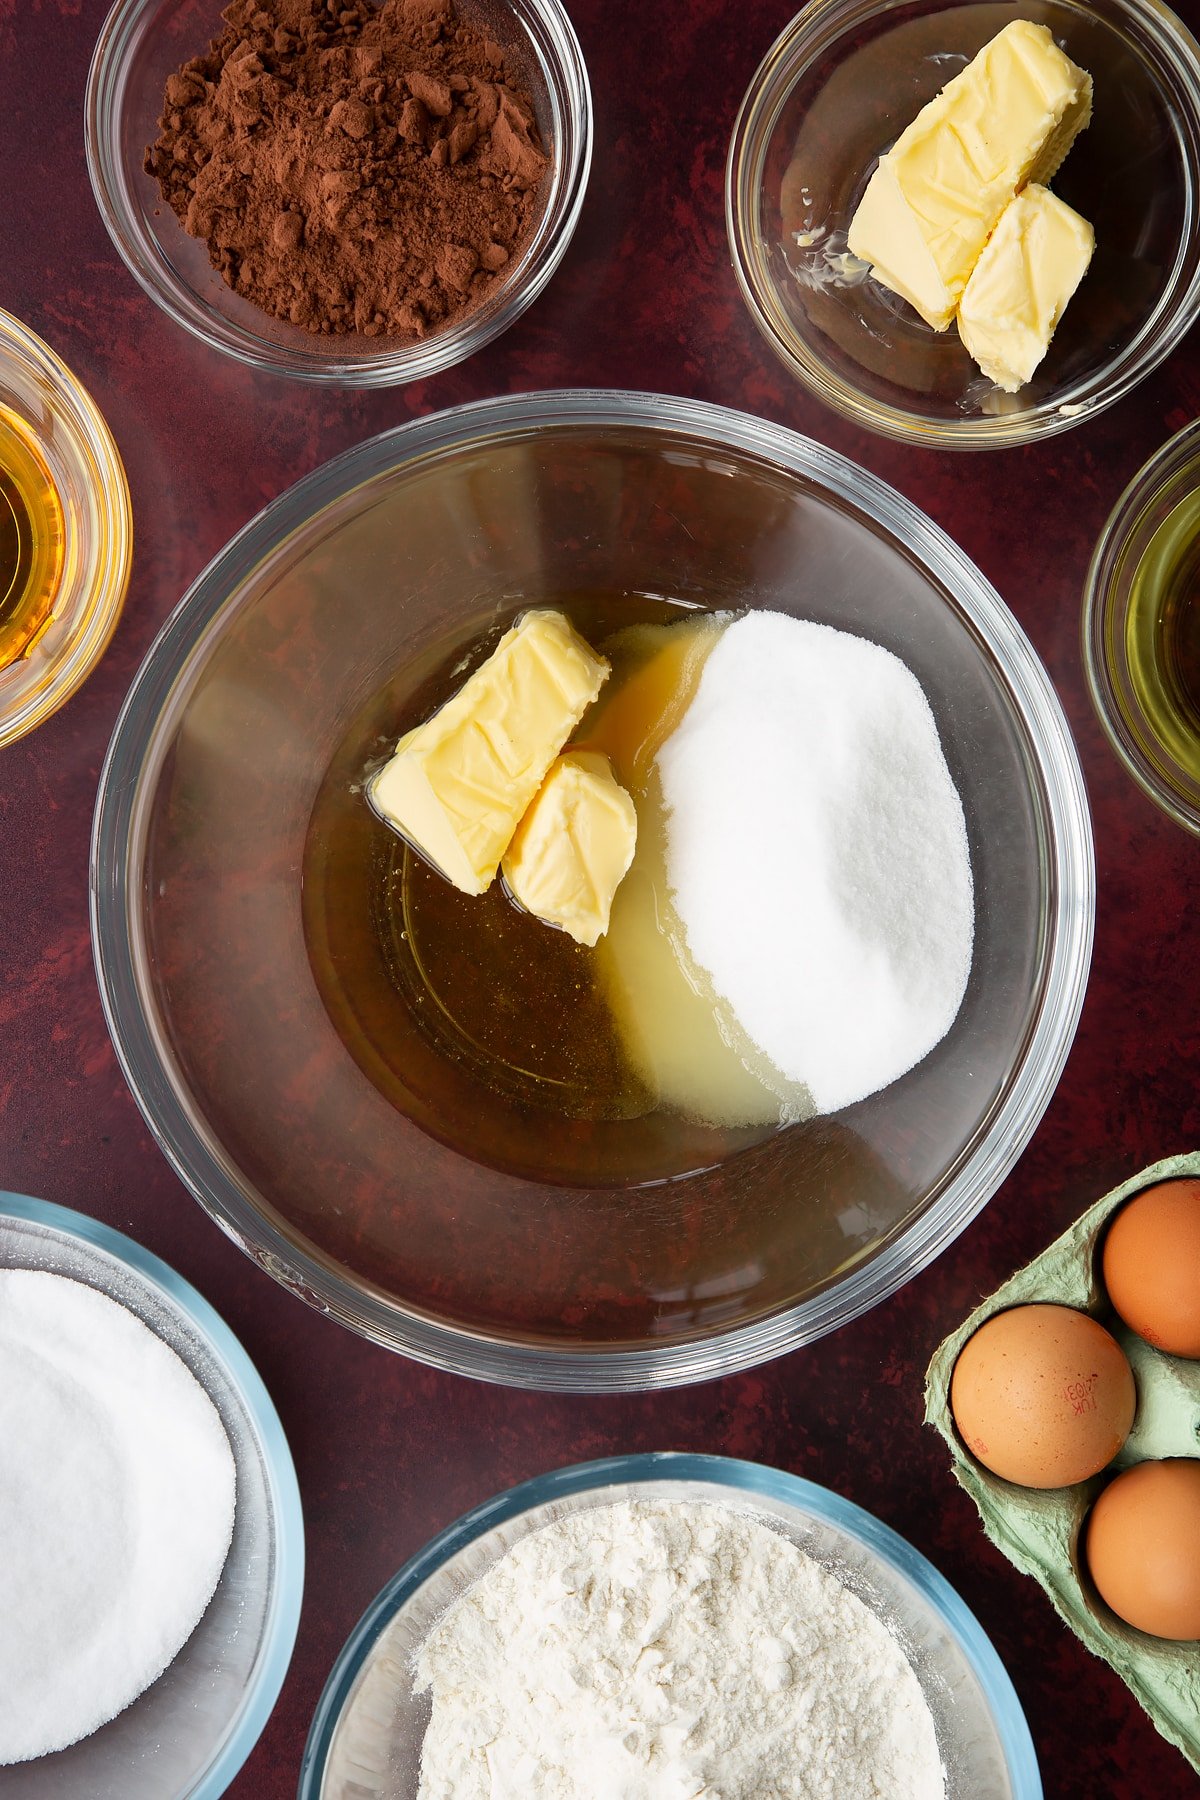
(31, 541)
(1162, 639)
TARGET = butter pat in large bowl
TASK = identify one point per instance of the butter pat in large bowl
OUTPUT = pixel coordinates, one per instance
(391, 1091)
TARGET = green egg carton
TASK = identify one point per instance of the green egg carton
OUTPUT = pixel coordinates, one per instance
(1039, 1530)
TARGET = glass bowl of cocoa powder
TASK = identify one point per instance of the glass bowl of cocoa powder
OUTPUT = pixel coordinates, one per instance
(361, 197)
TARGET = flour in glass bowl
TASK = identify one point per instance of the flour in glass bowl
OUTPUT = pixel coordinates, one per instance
(656, 1650)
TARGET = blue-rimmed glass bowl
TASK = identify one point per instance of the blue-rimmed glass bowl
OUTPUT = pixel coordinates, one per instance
(187, 1736)
(366, 1735)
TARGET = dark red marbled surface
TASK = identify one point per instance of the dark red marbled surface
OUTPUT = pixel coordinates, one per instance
(387, 1452)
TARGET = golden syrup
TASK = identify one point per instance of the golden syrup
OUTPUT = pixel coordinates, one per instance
(31, 541)
(493, 1030)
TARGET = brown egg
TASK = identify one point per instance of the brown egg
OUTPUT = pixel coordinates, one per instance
(1152, 1266)
(1143, 1547)
(1042, 1395)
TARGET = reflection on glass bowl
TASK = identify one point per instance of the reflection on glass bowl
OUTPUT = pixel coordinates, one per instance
(358, 1195)
(832, 94)
(365, 1739)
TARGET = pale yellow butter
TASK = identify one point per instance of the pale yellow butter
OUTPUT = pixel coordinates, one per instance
(458, 784)
(1032, 264)
(1008, 118)
(574, 846)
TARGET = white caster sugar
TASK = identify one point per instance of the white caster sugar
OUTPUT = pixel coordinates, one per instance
(817, 854)
(116, 1509)
(667, 1650)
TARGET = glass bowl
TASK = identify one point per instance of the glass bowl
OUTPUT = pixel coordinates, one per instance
(834, 92)
(365, 1739)
(399, 556)
(1141, 657)
(77, 448)
(187, 1736)
(144, 41)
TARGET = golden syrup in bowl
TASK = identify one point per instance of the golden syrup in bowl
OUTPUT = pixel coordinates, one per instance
(66, 531)
(31, 541)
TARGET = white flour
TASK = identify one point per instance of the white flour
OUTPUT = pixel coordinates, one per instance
(654, 1650)
(116, 1509)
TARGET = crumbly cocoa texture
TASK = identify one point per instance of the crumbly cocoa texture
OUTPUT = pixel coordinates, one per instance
(352, 168)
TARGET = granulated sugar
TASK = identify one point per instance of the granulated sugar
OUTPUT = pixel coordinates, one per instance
(817, 854)
(116, 1509)
(669, 1650)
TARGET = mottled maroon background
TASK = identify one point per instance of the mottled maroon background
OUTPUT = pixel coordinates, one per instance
(388, 1452)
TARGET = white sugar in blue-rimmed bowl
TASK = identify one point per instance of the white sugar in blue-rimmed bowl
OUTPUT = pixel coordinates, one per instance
(185, 1737)
(365, 1739)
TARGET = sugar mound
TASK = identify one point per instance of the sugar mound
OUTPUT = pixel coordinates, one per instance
(817, 854)
(117, 1488)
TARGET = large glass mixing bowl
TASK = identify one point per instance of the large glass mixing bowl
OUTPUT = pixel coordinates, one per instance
(399, 555)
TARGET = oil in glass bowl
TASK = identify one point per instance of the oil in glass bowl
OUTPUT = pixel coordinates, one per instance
(1162, 638)
(31, 541)
(1141, 627)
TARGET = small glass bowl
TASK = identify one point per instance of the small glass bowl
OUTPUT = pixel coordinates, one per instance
(77, 448)
(1146, 555)
(834, 92)
(366, 1736)
(188, 1734)
(144, 41)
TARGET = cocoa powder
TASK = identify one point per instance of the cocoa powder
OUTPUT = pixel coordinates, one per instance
(352, 169)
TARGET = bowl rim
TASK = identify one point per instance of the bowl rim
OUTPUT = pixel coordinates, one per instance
(103, 583)
(279, 1639)
(1103, 607)
(737, 1474)
(140, 733)
(418, 361)
(818, 27)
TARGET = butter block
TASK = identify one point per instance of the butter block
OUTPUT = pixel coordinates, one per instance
(574, 846)
(458, 785)
(933, 201)
(1030, 267)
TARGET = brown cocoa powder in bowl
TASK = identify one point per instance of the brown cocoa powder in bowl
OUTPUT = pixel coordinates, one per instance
(352, 169)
